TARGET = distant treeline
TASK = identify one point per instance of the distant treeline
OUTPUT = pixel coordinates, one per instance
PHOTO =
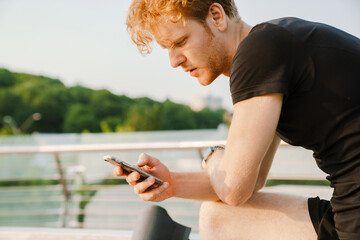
(80, 109)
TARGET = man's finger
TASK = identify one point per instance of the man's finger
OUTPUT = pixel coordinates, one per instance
(145, 159)
(118, 171)
(132, 178)
(155, 194)
(141, 187)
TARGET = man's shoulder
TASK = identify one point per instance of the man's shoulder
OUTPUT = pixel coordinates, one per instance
(308, 32)
(275, 29)
(265, 41)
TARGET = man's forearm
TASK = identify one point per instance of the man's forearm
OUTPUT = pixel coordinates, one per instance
(217, 176)
(266, 164)
(193, 185)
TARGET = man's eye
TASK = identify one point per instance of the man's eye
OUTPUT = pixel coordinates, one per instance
(180, 43)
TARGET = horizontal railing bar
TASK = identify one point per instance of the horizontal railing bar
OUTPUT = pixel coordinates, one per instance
(130, 212)
(50, 188)
(14, 201)
(93, 212)
(54, 177)
(103, 199)
(111, 147)
(102, 186)
(15, 223)
(295, 177)
(32, 212)
(108, 147)
(99, 212)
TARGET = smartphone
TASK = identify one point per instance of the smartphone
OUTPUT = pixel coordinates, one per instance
(128, 168)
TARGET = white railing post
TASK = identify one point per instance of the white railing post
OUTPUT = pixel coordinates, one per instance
(65, 189)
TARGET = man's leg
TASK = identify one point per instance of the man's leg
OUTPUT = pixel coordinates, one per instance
(154, 223)
(269, 216)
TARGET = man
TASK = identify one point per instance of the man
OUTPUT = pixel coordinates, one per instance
(289, 78)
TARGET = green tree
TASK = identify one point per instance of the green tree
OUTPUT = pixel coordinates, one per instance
(110, 124)
(6, 78)
(208, 118)
(12, 105)
(156, 120)
(52, 104)
(79, 109)
(80, 94)
(177, 116)
(79, 118)
(28, 86)
(144, 115)
(106, 104)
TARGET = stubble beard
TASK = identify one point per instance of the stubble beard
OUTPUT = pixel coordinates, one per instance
(217, 60)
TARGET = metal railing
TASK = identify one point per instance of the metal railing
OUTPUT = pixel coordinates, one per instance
(67, 189)
(57, 150)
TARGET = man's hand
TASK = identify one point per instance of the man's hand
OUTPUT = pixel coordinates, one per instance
(144, 189)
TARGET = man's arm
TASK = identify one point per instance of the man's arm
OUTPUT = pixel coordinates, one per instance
(266, 164)
(193, 185)
(251, 134)
(196, 185)
(232, 176)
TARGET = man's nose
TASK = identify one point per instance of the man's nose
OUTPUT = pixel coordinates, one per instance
(176, 58)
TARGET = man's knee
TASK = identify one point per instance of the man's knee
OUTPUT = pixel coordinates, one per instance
(207, 212)
(210, 219)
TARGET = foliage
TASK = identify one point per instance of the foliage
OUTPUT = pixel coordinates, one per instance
(177, 116)
(6, 78)
(80, 117)
(79, 109)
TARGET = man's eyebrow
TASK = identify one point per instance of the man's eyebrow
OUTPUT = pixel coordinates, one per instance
(179, 40)
(171, 43)
(164, 44)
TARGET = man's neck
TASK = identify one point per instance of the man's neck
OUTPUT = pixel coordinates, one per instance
(238, 31)
(245, 30)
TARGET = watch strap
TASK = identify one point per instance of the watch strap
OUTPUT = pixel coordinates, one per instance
(209, 152)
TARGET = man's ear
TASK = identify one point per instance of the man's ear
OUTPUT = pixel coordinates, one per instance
(217, 16)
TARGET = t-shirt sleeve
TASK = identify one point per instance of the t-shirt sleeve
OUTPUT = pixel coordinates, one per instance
(262, 63)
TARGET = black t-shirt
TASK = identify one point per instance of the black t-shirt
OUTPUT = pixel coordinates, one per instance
(317, 68)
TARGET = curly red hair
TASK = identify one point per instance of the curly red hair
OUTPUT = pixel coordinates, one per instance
(143, 14)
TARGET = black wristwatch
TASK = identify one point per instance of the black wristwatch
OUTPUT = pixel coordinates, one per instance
(208, 152)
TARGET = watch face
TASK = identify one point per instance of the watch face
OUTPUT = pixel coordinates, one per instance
(207, 152)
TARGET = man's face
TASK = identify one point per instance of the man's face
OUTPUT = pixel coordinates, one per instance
(194, 47)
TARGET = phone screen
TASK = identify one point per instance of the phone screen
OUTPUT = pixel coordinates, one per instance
(128, 168)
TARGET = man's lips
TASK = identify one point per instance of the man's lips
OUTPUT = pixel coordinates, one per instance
(192, 71)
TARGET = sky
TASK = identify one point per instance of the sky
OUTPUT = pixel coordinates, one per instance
(85, 42)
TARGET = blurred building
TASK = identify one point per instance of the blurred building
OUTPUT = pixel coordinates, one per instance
(207, 100)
